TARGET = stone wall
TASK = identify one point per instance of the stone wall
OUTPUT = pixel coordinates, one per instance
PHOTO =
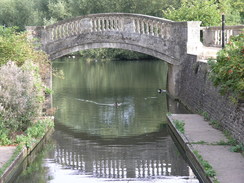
(199, 95)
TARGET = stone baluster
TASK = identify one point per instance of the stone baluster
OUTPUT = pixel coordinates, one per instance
(219, 37)
(75, 27)
(107, 24)
(229, 33)
(72, 28)
(113, 24)
(162, 32)
(54, 33)
(58, 32)
(146, 27)
(136, 25)
(94, 25)
(103, 24)
(78, 27)
(99, 24)
(151, 23)
(63, 31)
(157, 29)
(216, 37)
(142, 28)
(149, 27)
(119, 24)
(67, 29)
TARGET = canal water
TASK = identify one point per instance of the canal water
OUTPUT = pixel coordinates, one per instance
(110, 126)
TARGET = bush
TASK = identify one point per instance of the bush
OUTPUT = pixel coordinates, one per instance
(16, 47)
(228, 71)
(20, 96)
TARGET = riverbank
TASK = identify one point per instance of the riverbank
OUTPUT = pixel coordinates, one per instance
(11, 157)
(202, 145)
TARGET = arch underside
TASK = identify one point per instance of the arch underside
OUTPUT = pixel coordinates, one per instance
(125, 46)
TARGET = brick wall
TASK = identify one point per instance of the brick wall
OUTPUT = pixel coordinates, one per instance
(199, 95)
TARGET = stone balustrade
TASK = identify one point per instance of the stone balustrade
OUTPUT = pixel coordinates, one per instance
(116, 22)
(212, 36)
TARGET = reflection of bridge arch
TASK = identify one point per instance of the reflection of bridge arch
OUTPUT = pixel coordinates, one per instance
(113, 159)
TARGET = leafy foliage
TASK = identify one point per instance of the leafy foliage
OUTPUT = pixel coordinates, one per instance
(16, 47)
(195, 10)
(179, 125)
(21, 86)
(228, 71)
(207, 11)
(19, 97)
(207, 167)
(36, 131)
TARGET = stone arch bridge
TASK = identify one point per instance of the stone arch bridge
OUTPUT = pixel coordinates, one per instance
(161, 38)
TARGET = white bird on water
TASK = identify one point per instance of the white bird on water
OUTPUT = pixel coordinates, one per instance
(161, 91)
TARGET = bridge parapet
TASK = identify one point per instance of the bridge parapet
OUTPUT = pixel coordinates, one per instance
(212, 36)
(117, 22)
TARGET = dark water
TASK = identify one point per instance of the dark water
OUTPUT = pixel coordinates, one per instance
(110, 126)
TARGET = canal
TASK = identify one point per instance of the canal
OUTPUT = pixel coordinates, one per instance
(110, 126)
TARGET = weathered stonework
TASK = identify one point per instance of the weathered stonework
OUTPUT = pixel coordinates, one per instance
(198, 93)
(161, 38)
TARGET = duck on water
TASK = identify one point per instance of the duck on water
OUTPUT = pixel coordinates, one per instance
(116, 104)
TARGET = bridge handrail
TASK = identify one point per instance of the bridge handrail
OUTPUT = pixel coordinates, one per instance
(141, 24)
(212, 36)
(107, 15)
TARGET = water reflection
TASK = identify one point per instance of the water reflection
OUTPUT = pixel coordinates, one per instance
(86, 98)
(150, 155)
(98, 141)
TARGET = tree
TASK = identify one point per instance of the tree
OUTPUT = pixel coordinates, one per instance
(207, 11)
(195, 10)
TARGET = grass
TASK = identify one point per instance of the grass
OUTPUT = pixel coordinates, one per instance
(179, 125)
(208, 169)
(33, 133)
(206, 116)
(236, 147)
(215, 124)
(199, 142)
